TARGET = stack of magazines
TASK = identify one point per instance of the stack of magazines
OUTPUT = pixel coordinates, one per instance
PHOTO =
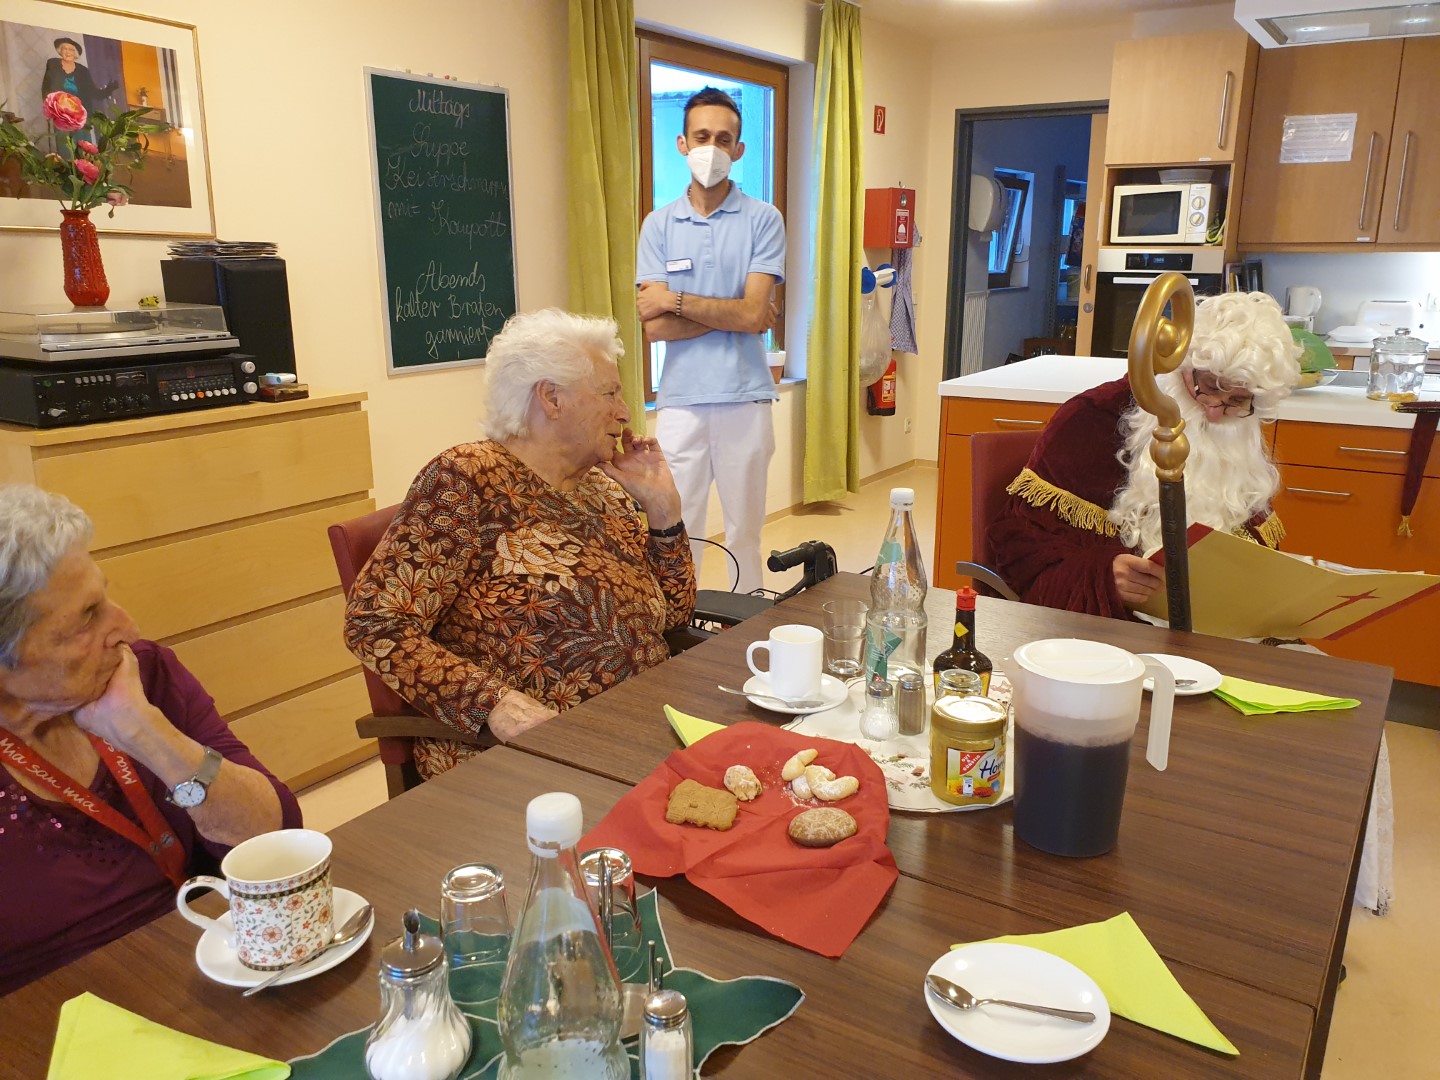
(222, 249)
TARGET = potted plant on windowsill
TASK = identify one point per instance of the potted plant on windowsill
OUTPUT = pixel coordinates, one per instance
(82, 173)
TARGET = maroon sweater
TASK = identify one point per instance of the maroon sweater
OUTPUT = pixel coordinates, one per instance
(68, 884)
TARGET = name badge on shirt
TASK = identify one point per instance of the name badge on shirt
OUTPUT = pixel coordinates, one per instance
(676, 265)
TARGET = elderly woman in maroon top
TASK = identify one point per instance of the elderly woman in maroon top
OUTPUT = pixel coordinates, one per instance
(119, 778)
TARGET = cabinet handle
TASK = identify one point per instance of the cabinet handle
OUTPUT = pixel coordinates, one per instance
(1088, 268)
(1400, 193)
(1372, 450)
(1224, 110)
(1023, 423)
(1319, 491)
(1365, 191)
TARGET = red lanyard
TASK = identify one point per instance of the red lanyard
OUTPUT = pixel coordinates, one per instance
(157, 838)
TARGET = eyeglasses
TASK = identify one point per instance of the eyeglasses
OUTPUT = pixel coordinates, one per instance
(1210, 392)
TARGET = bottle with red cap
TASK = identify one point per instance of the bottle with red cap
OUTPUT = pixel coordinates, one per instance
(962, 653)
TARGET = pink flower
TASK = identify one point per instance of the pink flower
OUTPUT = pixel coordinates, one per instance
(117, 198)
(86, 146)
(88, 169)
(65, 111)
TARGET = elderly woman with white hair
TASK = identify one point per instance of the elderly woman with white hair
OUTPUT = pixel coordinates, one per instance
(519, 577)
(118, 779)
(1085, 510)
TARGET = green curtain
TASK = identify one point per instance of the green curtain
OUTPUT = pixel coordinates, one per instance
(832, 389)
(603, 153)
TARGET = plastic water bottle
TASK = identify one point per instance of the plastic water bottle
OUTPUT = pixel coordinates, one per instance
(895, 627)
(560, 1003)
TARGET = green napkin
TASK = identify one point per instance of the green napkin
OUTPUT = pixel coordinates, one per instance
(732, 1012)
(1261, 699)
(691, 729)
(1136, 982)
(96, 1038)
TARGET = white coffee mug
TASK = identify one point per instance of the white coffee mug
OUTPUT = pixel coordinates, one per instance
(278, 885)
(796, 653)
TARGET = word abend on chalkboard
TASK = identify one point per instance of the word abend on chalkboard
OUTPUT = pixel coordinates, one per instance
(441, 156)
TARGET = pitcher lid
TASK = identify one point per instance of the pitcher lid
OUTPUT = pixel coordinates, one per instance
(1079, 661)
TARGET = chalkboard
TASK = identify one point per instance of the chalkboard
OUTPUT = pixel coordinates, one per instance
(440, 152)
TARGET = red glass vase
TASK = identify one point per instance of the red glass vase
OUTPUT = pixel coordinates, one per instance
(85, 282)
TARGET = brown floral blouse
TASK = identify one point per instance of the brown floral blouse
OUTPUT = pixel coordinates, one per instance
(490, 579)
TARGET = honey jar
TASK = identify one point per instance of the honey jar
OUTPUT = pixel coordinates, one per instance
(967, 750)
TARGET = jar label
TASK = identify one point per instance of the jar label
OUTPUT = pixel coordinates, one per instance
(973, 774)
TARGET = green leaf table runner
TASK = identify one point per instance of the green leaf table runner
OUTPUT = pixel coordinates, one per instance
(732, 1012)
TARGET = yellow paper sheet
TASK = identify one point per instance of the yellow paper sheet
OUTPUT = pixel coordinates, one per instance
(691, 729)
(95, 1038)
(1261, 699)
(1136, 982)
(1240, 589)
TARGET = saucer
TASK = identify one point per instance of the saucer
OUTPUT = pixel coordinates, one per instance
(1020, 973)
(832, 693)
(216, 957)
(1182, 667)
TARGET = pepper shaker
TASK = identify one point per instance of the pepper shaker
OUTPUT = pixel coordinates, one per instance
(666, 1037)
(910, 707)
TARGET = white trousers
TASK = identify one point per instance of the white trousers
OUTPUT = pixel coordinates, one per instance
(730, 444)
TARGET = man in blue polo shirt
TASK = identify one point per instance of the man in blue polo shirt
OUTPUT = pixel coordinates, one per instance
(707, 265)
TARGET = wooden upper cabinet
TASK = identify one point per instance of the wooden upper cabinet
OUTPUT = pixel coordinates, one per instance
(1180, 100)
(1336, 202)
(1410, 210)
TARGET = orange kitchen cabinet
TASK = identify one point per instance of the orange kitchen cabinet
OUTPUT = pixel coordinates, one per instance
(959, 419)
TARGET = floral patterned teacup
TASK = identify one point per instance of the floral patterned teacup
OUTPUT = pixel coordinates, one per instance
(278, 885)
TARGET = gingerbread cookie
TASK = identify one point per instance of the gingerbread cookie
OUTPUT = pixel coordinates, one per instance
(693, 803)
(823, 827)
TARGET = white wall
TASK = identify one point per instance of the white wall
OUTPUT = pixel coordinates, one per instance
(1345, 281)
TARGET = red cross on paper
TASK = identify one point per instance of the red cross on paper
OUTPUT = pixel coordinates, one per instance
(1346, 602)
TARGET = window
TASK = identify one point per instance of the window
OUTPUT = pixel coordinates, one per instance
(1008, 241)
(670, 72)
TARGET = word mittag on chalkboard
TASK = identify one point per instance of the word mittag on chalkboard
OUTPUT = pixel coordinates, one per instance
(441, 156)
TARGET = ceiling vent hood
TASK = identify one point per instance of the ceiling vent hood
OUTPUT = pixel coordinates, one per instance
(1278, 23)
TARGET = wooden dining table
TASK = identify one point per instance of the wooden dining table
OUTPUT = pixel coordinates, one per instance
(1238, 863)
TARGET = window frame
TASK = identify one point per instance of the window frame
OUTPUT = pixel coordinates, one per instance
(708, 59)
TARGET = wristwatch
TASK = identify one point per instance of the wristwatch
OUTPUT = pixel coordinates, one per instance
(192, 792)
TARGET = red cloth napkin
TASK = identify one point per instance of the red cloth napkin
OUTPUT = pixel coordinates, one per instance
(817, 898)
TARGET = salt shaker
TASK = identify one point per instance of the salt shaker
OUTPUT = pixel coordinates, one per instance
(421, 1034)
(666, 1038)
(878, 720)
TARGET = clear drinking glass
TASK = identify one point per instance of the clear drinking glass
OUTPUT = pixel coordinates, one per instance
(956, 682)
(620, 919)
(473, 916)
(844, 627)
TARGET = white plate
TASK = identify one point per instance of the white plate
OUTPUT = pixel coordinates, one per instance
(1182, 667)
(832, 693)
(1020, 973)
(216, 957)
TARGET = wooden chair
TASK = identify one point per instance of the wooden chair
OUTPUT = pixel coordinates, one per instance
(393, 722)
(996, 458)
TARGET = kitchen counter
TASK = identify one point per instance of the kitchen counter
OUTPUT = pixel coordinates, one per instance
(1056, 379)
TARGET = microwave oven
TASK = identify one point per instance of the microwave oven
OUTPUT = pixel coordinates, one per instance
(1161, 213)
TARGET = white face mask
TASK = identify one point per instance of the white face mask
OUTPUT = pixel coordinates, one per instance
(708, 165)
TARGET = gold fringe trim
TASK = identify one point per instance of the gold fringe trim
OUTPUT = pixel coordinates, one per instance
(1069, 508)
(1404, 529)
(1272, 531)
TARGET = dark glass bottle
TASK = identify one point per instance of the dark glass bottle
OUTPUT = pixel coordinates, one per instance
(963, 653)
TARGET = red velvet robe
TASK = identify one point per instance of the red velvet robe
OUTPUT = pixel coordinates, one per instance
(1059, 553)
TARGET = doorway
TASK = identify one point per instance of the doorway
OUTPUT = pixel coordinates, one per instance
(1015, 279)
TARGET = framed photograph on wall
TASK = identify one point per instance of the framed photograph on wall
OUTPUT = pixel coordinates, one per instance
(113, 62)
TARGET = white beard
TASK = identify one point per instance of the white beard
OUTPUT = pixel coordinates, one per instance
(1228, 478)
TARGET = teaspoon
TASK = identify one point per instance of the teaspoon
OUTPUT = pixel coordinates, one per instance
(961, 998)
(789, 703)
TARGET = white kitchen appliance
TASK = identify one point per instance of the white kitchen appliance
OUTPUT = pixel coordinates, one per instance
(1302, 304)
(1280, 23)
(1161, 213)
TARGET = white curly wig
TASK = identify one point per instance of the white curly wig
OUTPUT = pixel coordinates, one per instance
(1242, 339)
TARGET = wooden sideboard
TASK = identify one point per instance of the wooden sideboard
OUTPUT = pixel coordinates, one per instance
(210, 526)
(1339, 500)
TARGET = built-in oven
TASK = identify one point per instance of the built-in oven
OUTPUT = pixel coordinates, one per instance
(1124, 274)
